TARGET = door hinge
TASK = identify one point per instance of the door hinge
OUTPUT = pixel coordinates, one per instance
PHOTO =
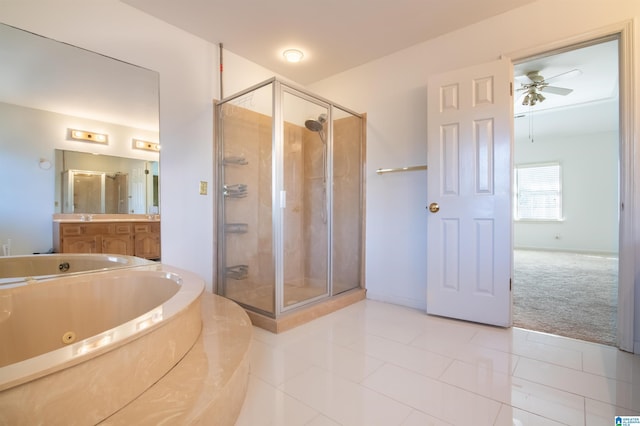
(511, 88)
(509, 284)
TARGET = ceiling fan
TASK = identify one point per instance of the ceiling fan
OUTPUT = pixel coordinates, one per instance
(533, 84)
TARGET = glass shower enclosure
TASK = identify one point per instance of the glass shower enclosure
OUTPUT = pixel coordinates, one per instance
(290, 198)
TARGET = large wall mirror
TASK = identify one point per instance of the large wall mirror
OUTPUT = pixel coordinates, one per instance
(47, 90)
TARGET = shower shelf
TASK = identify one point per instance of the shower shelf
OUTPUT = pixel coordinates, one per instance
(237, 272)
(238, 190)
(235, 160)
(236, 228)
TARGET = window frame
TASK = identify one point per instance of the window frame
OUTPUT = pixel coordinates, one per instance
(516, 195)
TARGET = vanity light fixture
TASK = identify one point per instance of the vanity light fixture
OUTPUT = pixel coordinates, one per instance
(146, 145)
(83, 135)
(293, 55)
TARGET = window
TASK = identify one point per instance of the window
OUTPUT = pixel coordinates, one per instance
(538, 192)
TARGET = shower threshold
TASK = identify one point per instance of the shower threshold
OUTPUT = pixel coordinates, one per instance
(307, 313)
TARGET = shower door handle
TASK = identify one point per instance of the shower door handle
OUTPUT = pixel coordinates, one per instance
(434, 207)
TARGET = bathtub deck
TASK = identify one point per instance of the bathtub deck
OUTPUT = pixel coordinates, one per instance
(209, 384)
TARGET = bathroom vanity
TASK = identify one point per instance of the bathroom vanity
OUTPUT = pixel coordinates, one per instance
(132, 234)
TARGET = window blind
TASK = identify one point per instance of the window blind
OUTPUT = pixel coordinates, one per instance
(538, 192)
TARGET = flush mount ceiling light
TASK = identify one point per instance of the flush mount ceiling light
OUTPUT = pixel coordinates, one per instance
(82, 135)
(293, 55)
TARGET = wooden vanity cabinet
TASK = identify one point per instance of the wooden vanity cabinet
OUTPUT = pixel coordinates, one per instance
(127, 238)
(147, 240)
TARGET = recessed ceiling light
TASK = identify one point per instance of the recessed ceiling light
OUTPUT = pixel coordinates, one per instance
(293, 55)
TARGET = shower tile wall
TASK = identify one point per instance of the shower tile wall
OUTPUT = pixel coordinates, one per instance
(294, 184)
(316, 238)
(248, 135)
(347, 165)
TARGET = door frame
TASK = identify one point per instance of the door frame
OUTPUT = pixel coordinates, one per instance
(629, 233)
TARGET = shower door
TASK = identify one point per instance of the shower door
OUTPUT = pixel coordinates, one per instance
(305, 212)
(246, 260)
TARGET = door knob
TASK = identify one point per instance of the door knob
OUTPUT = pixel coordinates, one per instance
(434, 207)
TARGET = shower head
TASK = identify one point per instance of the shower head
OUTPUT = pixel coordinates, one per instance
(316, 125)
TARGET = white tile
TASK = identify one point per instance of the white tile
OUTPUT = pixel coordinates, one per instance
(377, 363)
(433, 397)
(564, 357)
(321, 420)
(501, 339)
(415, 359)
(459, 346)
(510, 416)
(517, 342)
(488, 358)
(343, 334)
(546, 402)
(600, 388)
(440, 334)
(392, 329)
(273, 365)
(418, 418)
(280, 339)
(600, 413)
(265, 405)
(481, 381)
(344, 362)
(532, 397)
(561, 341)
(613, 363)
(343, 401)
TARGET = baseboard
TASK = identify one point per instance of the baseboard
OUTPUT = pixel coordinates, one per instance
(586, 252)
(402, 301)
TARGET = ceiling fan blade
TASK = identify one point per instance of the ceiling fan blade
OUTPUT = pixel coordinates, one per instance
(556, 90)
(523, 79)
(568, 74)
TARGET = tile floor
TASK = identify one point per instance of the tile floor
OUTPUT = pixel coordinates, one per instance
(374, 363)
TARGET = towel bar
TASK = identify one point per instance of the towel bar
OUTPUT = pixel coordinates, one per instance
(401, 169)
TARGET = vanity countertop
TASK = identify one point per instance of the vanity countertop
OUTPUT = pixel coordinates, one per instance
(77, 217)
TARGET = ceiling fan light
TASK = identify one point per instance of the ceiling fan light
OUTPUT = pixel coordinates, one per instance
(526, 100)
(540, 97)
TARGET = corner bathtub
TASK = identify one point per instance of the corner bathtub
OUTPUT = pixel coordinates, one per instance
(76, 349)
(25, 268)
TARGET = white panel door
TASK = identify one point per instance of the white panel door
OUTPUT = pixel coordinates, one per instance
(469, 229)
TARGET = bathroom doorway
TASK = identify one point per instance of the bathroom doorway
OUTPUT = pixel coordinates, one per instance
(566, 156)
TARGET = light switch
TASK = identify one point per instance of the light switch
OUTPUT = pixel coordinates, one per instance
(203, 187)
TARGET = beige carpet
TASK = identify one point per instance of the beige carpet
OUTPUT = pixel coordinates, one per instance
(568, 294)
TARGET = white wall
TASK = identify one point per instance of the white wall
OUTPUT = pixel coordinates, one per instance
(589, 164)
(393, 92)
